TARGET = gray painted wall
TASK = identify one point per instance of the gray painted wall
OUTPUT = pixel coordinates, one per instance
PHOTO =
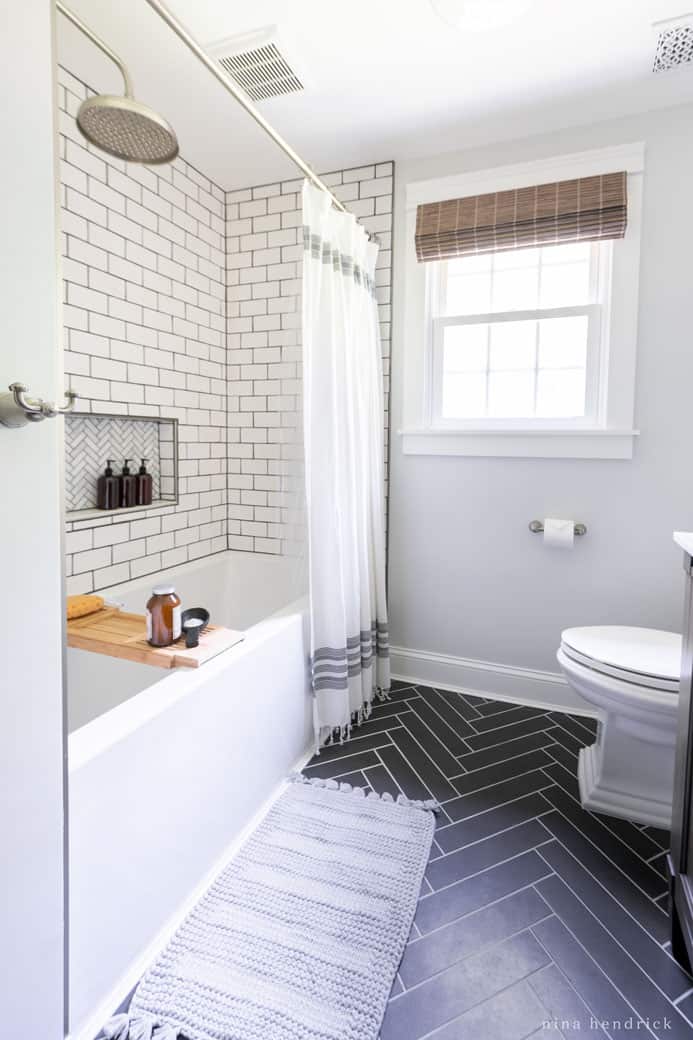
(466, 577)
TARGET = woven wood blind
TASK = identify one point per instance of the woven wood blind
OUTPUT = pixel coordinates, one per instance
(583, 210)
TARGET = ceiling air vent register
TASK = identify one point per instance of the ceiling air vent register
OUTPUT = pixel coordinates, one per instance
(674, 44)
(256, 62)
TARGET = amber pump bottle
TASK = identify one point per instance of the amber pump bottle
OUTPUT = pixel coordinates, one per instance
(127, 487)
(107, 489)
(144, 485)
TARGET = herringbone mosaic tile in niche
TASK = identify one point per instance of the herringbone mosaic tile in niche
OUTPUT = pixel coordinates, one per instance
(90, 441)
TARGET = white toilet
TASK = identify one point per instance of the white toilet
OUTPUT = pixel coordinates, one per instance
(632, 676)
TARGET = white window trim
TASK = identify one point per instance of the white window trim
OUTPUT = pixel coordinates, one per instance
(612, 435)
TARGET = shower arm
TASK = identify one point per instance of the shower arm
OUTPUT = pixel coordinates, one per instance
(79, 24)
(228, 84)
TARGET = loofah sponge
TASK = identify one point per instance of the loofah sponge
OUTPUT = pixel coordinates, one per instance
(80, 606)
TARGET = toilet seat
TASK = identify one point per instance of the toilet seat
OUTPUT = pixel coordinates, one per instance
(644, 657)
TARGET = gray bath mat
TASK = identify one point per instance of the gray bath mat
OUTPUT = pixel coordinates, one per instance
(300, 937)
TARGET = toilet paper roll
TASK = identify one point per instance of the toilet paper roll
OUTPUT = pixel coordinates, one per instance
(559, 533)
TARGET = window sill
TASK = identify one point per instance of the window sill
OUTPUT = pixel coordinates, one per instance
(594, 443)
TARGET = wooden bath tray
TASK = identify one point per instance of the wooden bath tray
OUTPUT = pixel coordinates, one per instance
(115, 633)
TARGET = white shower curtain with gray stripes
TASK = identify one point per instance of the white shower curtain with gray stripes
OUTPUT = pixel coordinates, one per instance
(344, 458)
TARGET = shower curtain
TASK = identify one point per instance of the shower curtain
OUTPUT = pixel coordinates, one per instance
(344, 462)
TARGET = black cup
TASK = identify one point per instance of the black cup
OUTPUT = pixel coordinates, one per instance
(200, 618)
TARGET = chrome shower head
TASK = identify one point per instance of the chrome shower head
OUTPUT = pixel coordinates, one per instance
(118, 124)
(127, 129)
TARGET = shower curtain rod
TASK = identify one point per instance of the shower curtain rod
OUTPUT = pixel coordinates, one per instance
(226, 82)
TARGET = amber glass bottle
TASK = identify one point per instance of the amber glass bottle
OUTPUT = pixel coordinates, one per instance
(163, 616)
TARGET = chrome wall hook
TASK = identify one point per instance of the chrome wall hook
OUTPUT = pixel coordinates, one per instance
(18, 409)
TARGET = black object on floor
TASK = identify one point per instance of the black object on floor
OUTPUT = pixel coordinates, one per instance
(536, 917)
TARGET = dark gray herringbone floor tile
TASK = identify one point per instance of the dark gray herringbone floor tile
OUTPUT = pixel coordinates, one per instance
(533, 913)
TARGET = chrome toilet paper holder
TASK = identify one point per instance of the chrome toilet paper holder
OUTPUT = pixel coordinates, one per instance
(537, 527)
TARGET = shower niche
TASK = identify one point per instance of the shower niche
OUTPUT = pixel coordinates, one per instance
(90, 440)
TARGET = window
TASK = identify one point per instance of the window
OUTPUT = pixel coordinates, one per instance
(525, 352)
(516, 335)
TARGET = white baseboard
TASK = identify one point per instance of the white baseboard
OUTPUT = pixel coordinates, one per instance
(125, 985)
(488, 679)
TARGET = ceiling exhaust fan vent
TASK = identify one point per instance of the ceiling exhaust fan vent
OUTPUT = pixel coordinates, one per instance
(256, 62)
(674, 46)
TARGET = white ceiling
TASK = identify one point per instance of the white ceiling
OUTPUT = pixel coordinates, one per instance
(386, 79)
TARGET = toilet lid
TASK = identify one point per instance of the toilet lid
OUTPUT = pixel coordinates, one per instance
(646, 656)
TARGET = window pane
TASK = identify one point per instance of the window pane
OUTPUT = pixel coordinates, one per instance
(469, 293)
(564, 285)
(470, 264)
(511, 395)
(520, 279)
(513, 258)
(513, 345)
(464, 396)
(563, 342)
(567, 254)
(534, 368)
(561, 393)
(515, 290)
(464, 348)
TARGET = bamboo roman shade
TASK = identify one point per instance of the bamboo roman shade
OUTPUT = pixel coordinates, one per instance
(586, 209)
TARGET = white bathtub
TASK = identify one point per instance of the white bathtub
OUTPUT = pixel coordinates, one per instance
(167, 768)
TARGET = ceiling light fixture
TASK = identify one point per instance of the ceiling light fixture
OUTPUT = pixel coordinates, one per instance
(479, 15)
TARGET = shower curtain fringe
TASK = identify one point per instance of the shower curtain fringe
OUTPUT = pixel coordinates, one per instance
(357, 719)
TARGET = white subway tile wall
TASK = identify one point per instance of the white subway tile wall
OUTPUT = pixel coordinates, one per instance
(182, 301)
(264, 246)
(144, 273)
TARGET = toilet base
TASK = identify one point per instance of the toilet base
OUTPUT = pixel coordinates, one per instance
(602, 796)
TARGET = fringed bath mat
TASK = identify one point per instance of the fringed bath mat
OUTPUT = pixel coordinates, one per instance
(300, 937)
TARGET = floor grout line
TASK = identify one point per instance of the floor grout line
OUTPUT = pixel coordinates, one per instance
(601, 884)
(599, 968)
(491, 866)
(500, 762)
(417, 774)
(492, 902)
(435, 737)
(604, 854)
(570, 985)
(593, 1015)
(493, 808)
(605, 926)
(495, 783)
(483, 949)
(597, 819)
(431, 730)
(548, 741)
